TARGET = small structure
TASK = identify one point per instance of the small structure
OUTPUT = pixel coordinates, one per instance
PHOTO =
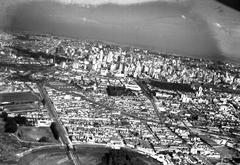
(119, 91)
(44, 123)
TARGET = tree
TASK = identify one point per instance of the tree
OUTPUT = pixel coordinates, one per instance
(43, 139)
(54, 129)
(21, 120)
(95, 124)
(10, 126)
(43, 102)
(71, 138)
(4, 115)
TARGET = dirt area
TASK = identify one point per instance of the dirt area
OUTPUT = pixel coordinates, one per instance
(47, 156)
(10, 146)
(33, 134)
(88, 154)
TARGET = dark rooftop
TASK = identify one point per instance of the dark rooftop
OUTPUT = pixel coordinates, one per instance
(18, 97)
(21, 108)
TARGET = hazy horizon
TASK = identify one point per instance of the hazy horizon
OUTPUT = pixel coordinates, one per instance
(176, 26)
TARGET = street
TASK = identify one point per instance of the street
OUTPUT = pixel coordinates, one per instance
(64, 138)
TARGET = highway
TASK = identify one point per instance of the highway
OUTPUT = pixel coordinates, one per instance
(63, 135)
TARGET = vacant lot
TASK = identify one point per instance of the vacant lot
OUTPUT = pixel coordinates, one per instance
(9, 146)
(18, 97)
(47, 156)
(87, 154)
(102, 155)
(33, 134)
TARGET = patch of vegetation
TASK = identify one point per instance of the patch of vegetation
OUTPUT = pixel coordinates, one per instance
(9, 145)
(43, 139)
(11, 123)
(123, 157)
(10, 126)
(4, 115)
(20, 120)
(53, 127)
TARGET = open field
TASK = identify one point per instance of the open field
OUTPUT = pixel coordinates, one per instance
(21, 108)
(48, 156)
(18, 97)
(9, 146)
(33, 134)
(86, 154)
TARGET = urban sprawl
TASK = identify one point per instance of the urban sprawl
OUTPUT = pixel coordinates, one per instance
(177, 110)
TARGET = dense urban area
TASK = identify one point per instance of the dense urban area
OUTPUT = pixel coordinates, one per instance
(57, 91)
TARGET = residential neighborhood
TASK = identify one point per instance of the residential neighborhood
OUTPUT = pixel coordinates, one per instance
(177, 110)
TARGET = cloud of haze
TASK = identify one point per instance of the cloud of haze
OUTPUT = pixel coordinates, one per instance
(202, 23)
(120, 2)
(4, 3)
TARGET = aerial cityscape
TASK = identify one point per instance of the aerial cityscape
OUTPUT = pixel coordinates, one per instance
(67, 101)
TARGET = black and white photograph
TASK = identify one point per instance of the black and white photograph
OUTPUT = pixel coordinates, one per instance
(119, 82)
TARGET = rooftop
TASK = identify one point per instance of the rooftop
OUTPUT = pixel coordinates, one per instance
(18, 97)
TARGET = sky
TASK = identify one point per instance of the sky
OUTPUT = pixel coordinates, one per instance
(91, 2)
(120, 2)
(197, 17)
